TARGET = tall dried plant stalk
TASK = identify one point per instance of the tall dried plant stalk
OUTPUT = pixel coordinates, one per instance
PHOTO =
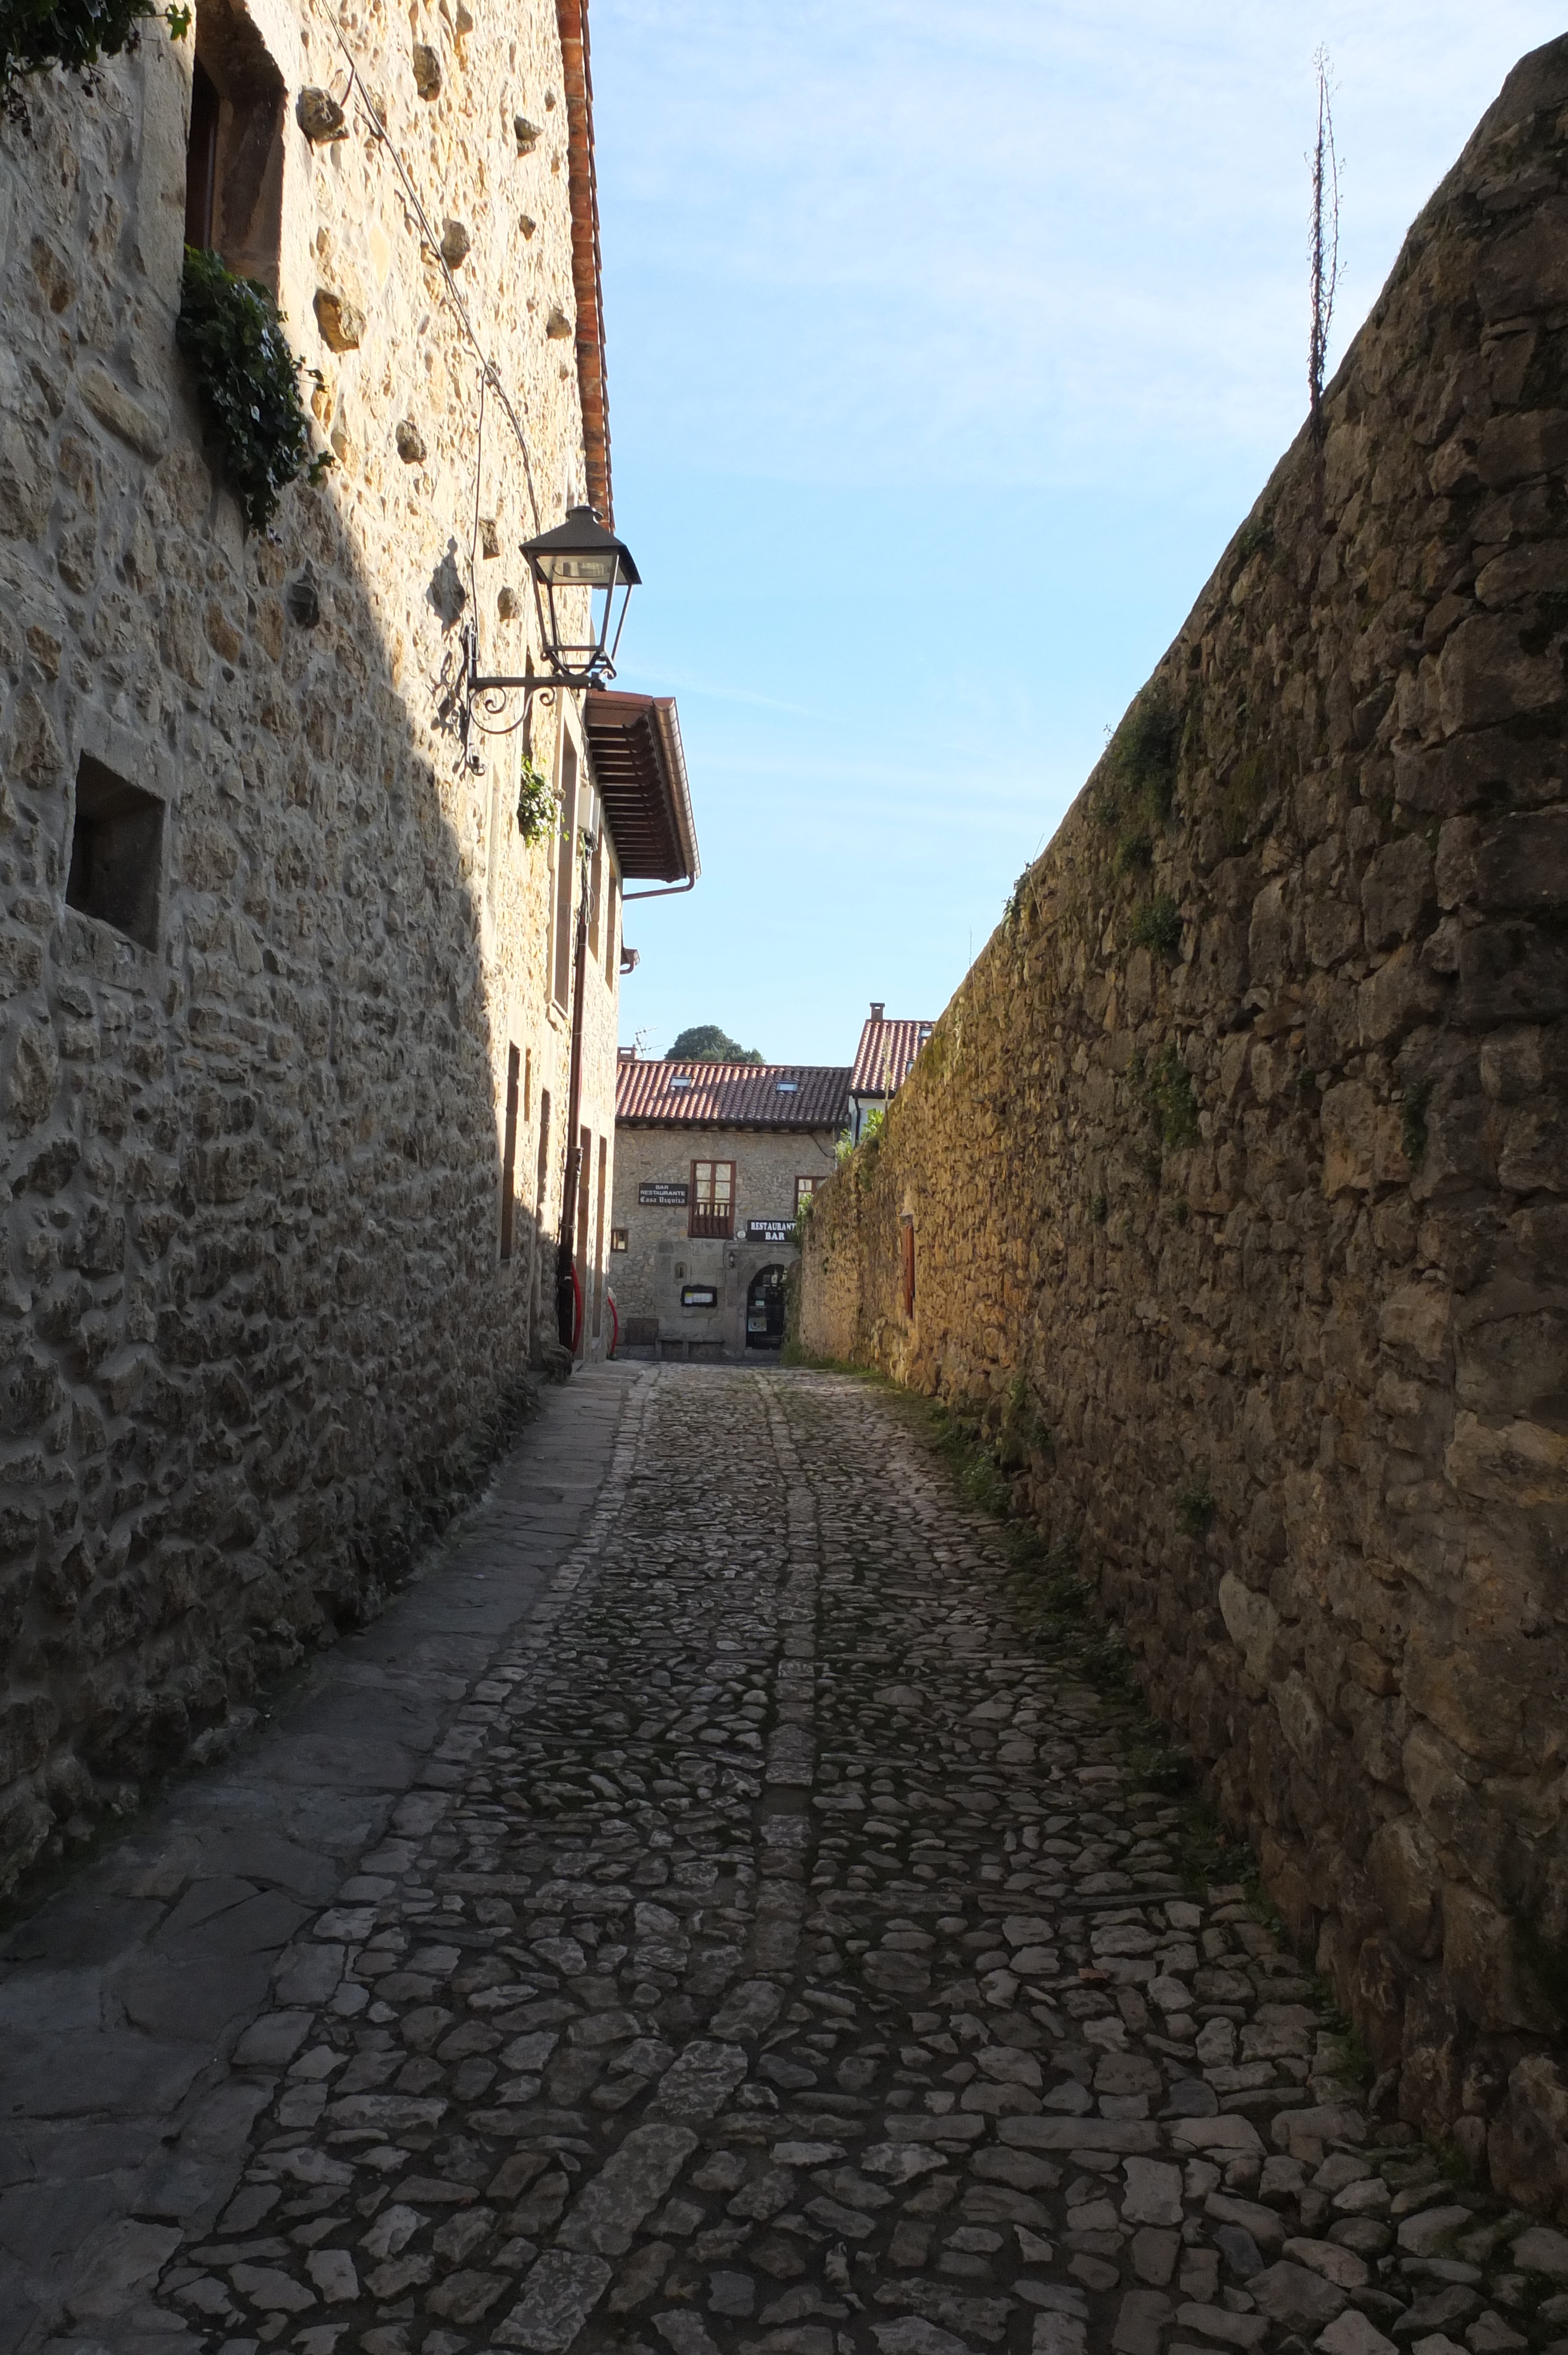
(1325, 237)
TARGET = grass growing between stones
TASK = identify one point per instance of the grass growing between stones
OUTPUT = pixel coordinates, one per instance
(1056, 1602)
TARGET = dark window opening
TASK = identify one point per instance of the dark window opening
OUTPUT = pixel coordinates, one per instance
(907, 1263)
(201, 158)
(509, 1156)
(116, 853)
(233, 155)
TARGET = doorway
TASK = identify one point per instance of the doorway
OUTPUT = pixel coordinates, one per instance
(765, 1309)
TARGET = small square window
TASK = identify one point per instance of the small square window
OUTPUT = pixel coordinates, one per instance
(116, 853)
(619, 1238)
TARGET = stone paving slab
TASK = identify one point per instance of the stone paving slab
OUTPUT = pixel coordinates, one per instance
(123, 1998)
(776, 1957)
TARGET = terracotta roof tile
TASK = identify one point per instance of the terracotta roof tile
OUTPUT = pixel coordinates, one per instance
(886, 1056)
(736, 1095)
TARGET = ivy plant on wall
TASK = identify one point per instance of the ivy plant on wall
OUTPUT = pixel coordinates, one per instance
(231, 331)
(38, 34)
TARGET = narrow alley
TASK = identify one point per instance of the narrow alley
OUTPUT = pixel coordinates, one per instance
(764, 1944)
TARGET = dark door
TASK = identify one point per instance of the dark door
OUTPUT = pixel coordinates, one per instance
(765, 1310)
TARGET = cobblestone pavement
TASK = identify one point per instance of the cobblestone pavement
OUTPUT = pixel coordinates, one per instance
(778, 1956)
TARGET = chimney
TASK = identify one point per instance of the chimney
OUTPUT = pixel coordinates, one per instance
(877, 1007)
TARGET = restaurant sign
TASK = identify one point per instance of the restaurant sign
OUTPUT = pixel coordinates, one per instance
(663, 1194)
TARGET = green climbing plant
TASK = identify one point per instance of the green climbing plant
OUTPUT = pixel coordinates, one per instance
(231, 331)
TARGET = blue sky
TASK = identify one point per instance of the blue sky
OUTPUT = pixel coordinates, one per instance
(947, 346)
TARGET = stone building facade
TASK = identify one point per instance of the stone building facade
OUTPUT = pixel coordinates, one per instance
(1230, 1195)
(711, 1160)
(288, 998)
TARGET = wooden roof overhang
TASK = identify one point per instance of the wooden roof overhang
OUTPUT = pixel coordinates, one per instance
(640, 768)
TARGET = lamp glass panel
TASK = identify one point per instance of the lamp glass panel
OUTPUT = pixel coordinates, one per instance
(571, 568)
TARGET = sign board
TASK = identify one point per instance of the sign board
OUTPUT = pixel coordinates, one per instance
(770, 1230)
(664, 1194)
(698, 1295)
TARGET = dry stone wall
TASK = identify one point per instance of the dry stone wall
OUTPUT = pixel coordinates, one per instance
(254, 1330)
(1237, 1171)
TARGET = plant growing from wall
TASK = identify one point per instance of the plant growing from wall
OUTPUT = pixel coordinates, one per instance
(869, 1147)
(38, 34)
(1196, 1507)
(1412, 1111)
(1164, 1087)
(1157, 927)
(1137, 787)
(538, 810)
(231, 331)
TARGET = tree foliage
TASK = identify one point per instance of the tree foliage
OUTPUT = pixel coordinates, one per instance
(38, 34)
(705, 1042)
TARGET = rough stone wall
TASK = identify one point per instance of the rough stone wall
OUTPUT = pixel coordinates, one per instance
(254, 1328)
(1237, 1170)
(767, 1164)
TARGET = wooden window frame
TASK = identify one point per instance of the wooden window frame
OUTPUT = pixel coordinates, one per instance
(706, 1221)
(805, 1185)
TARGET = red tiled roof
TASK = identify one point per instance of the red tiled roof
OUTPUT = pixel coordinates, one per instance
(730, 1096)
(886, 1055)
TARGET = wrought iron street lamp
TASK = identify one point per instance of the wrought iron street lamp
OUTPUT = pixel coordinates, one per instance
(580, 563)
(583, 579)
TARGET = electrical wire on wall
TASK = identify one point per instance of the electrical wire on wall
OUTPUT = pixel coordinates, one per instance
(489, 373)
(453, 709)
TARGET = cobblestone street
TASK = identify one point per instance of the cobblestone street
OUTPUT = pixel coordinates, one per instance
(777, 1955)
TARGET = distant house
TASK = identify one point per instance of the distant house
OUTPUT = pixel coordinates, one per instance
(884, 1060)
(711, 1160)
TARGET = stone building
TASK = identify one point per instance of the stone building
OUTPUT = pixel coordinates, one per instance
(711, 1162)
(1229, 1198)
(289, 997)
(883, 1062)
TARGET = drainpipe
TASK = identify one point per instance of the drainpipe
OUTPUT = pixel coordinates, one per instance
(566, 1250)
